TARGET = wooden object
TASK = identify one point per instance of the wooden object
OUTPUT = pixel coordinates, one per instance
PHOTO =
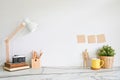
(108, 61)
(35, 61)
(9, 38)
(91, 39)
(14, 65)
(101, 38)
(81, 38)
(85, 58)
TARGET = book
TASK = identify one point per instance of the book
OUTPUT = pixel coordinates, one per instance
(16, 68)
(14, 65)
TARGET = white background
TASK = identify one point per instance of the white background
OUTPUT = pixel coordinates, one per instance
(60, 21)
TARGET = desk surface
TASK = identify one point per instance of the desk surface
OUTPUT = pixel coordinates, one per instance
(61, 73)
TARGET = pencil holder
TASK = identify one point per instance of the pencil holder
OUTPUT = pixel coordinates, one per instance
(35, 63)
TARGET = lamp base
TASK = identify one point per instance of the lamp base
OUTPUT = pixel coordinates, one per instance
(15, 66)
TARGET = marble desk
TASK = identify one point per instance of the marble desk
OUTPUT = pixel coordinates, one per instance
(61, 73)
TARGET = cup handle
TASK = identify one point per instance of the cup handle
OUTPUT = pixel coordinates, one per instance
(102, 63)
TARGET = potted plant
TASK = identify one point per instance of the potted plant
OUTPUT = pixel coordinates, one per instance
(106, 53)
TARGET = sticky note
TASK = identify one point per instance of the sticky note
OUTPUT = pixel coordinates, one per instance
(91, 39)
(81, 38)
(101, 38)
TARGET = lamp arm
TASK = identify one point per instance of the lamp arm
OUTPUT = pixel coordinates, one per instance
(9, 38)
(14, 32)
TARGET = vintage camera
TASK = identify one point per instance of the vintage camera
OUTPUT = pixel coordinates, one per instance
(18, 59)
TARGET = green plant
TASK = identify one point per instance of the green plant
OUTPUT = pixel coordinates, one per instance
(106, 50)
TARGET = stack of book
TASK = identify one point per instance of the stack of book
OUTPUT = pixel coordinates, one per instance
(16, 66)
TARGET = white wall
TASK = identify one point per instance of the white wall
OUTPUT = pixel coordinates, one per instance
(60, 21)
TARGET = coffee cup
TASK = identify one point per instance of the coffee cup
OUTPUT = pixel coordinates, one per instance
(96, 63)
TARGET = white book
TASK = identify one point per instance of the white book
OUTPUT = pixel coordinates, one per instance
(17, 68)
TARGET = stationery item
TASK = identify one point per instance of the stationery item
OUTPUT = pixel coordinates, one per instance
(34, 56)
(16, 68)
(35, 61)
(11, 65)
(81, 38)
(101, 38)
(96, 63)
(85, 59)
(41, 53)
(91, 39)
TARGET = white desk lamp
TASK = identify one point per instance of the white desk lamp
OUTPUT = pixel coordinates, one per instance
(10, 66)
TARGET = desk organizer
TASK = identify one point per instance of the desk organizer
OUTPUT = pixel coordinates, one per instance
(35, 61)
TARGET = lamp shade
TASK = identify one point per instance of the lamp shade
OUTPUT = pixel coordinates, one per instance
(32, 26)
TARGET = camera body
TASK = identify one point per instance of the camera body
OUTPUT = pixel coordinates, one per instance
(18, 59)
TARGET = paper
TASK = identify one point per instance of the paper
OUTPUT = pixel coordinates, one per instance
(81, 38)
(101, 38)
(91, 39)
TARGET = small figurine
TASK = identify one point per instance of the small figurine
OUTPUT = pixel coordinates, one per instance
(85, 59)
